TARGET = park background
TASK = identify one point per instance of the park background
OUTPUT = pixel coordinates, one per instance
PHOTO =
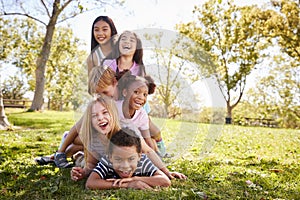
(237, 65)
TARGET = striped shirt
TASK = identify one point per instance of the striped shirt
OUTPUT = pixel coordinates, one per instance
(105, 169)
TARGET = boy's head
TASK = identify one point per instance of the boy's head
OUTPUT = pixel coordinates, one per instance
(102, 79)
(124, 152)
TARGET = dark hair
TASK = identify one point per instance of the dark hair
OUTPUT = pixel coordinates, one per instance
(150, 83)
(126, 79)
(138, 54)
(111, 24)
(125, 137)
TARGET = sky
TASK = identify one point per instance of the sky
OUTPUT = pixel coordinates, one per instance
(140, 14)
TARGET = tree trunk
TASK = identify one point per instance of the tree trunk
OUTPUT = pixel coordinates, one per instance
(37, 102)
(3, 119)
(228, 119)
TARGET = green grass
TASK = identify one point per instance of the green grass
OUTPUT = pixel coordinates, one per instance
(221, 162)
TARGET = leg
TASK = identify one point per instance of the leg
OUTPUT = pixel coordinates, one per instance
(73, 134)
(68, 147)
(156, 135)
(74, 147)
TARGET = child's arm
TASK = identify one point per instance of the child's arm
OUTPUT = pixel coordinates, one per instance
(158, 179)
(78, 173)
(96, 182)
(147, 137)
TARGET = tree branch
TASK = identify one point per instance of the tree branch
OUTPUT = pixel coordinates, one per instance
(43, 3)
(26, 15)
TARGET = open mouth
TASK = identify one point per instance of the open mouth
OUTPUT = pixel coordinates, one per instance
(103, 125)
(100, 38)
(126, 47)
(139, 104)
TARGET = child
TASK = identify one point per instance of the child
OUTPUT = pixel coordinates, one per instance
(134, 90)
(100, 121)
(102, 80)
(125, 166)
(102, 40)
(128, 55)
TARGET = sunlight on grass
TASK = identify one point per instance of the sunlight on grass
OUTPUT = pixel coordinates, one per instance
(221, 161)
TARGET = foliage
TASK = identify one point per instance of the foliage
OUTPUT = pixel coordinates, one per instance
(277, 94)
(243, 163)
(64, 66)
(282, 23)
(7, 44)
(172, 73)
(229, 34)
(14, 87)
(49, 14)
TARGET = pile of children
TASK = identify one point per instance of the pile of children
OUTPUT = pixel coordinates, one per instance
(115, 144)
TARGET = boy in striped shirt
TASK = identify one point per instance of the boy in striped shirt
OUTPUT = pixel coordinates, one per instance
(125, 166)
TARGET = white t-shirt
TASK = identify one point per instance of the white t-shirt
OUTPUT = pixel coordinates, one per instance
(140, 118)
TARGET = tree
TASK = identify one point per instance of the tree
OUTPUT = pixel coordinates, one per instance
(65, 66)
(282, 23)
(277, 95)
(229, 34)
(173, 74)
(14, 87)
(49, 14)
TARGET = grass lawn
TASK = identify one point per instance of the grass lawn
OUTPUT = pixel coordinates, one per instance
(221, 162)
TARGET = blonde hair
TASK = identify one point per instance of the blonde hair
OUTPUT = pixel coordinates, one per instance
(101, 76)
(87, 130)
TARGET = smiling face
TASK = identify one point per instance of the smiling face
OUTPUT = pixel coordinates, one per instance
(102, 32)
(124, 160)
(101, 119)
(127, 44)
(136, 95)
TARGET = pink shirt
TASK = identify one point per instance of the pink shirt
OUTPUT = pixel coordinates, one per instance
(135, 68)
(140, 118)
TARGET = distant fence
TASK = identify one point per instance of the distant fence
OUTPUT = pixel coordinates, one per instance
(16, 103)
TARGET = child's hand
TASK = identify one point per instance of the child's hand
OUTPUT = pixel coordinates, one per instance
(118, 182)
(179, 175)
(130, 183)
(139, 185)
(77, 173)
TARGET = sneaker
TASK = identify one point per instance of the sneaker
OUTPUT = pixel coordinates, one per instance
(161, 148)
(60, 160)
(44, 160)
